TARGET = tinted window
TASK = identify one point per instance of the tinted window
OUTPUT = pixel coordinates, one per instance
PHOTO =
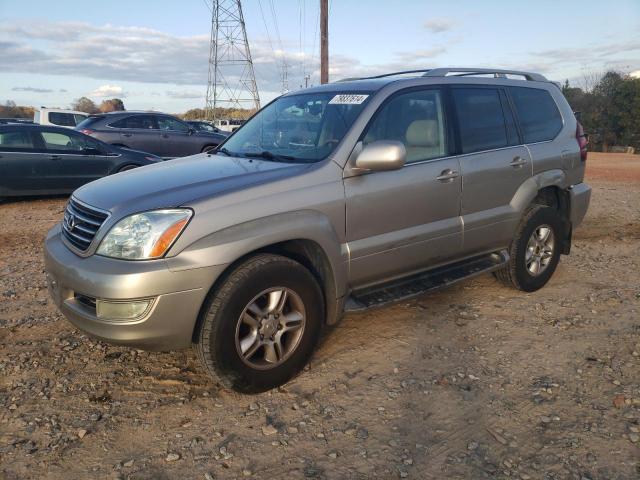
(135, 121)
(416, 119)
(62, 119)
(480, 117)
(168, 123)
(87, 122)
(19, 140)
(539, 117)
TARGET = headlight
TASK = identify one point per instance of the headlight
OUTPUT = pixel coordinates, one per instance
(144, 235)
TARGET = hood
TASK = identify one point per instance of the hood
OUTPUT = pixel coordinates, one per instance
(177, 182)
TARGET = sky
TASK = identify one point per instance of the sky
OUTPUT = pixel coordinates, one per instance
(154, 54)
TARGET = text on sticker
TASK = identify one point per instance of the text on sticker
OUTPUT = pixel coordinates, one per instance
(348, 99)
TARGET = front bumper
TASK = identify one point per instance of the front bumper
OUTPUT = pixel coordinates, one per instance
(580, 198)
(177, 295)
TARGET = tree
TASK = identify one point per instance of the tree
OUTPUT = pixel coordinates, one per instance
(113, 105)
(84, 104)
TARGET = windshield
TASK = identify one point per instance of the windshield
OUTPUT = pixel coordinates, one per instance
(301, 128)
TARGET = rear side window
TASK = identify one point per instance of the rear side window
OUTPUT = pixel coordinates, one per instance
(16, 140)
(538, 114)
(135, 121)
(480, 119)
(62, 119)
(416, 119)
(87, 122)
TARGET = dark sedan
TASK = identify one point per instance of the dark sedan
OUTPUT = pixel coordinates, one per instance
(44, 160)
(153, 132)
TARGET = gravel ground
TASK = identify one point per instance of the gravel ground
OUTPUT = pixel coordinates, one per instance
(475, 381)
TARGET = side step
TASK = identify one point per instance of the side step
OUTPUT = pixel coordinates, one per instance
(420, 283)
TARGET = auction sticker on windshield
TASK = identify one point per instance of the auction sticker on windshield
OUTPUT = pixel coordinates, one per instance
(348, 99)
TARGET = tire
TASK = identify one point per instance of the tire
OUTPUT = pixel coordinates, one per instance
(208, 148)
(224, 332)
(520, 272)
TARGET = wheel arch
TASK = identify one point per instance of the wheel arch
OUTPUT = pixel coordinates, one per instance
(550, 189)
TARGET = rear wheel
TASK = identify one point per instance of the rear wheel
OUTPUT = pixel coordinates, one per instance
(260, 326)
(535, 250)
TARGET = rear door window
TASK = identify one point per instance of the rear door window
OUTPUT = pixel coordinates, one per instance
(480, 119)
(145, 122)
(538, 114)
(16, 140)
(62, 119)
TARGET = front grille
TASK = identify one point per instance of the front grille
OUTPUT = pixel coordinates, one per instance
(81, 223)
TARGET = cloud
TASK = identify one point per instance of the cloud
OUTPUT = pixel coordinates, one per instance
(439, 25)
(635, 74)
(185, 94)
(31, 89)
(108, 91)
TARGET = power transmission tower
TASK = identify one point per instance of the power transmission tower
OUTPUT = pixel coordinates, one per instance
(232, 80)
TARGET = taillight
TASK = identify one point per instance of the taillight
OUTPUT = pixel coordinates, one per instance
(87, 131)
(583, 141)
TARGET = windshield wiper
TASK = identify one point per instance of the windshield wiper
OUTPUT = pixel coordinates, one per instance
(226, 152)
(271, 156)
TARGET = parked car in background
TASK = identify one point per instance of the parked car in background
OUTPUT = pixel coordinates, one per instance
(340, 197)
(43, 160)
(58, 117)
(158, 133)
(228, 125)
(203, 126)
(15, 120)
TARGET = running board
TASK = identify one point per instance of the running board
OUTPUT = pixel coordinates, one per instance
(408, 287)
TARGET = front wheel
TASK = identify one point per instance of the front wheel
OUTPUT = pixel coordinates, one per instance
(534, 251)
(260, 326)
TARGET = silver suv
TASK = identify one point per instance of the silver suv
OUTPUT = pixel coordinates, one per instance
(340, 197)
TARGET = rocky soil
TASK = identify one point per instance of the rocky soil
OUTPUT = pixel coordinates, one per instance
(476, 381)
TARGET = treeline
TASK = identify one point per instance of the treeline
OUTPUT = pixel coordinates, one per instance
(82, 104)
(609, 110)
(231, 113)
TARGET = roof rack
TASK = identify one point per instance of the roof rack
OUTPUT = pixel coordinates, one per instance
(458, 72)
(497, 73)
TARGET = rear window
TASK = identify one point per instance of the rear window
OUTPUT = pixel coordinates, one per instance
(135, 121)
(19, 140)
(87, 122)
(539, 117)
(481, 120)
(62, 119)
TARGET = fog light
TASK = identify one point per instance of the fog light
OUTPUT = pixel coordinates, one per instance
(113, 310)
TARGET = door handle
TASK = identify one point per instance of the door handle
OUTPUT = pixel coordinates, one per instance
(54, 157)
(447, 175)
(126, 134)
(518, 162)
(165, 135)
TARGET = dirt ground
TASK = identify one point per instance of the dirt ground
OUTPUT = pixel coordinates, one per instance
(476, 381)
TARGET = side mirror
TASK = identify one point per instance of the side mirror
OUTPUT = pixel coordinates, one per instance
(382, 155)
(191, 131)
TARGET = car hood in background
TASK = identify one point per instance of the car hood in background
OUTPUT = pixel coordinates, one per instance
(177, 182)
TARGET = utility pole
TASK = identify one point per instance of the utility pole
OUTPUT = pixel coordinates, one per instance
(232, 81)
(324, 41)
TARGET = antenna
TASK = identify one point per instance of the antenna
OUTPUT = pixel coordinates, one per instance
(232, 80)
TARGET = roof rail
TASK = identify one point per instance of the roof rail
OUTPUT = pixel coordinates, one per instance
(390, 74)
(497, 73)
